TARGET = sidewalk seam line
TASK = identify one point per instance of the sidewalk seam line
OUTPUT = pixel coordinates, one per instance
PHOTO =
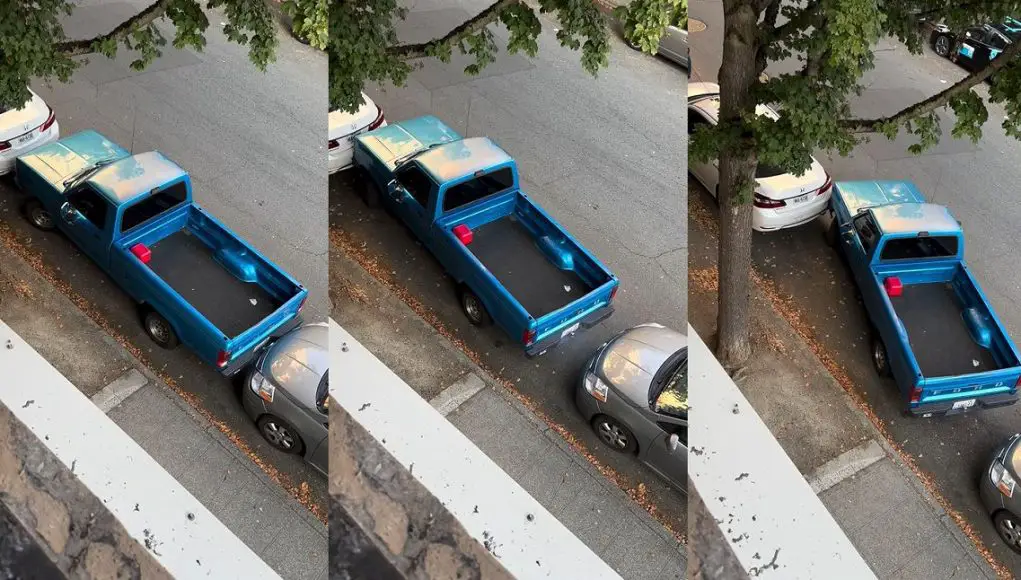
(113, 394)
(845, 466)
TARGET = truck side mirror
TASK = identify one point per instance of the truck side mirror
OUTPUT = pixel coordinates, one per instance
(68, 212)
(392, 187)
(673, 442)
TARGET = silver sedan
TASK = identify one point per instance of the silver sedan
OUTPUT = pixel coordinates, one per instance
(673, 45)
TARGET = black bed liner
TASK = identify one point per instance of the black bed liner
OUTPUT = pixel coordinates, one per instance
(938, 335)
(507, 249)
(187, 265)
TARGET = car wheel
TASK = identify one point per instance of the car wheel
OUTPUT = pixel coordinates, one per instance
(942, 45)
(38, 216)
(613, 433)
(880, 360)
(1008, 526)
(280, 434)
(473, 308)
(159, 330)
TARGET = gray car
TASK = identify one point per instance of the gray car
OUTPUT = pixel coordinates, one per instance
(286, 390)
(674, 43)
(1000, 496)
(634, 393)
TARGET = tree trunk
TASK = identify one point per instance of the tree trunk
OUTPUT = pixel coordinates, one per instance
(738, 74)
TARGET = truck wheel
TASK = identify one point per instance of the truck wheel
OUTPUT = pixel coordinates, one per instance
(38, 216)
(159, 330)
(370, 193)
(879, 357)
(473, 308)
(832, 233)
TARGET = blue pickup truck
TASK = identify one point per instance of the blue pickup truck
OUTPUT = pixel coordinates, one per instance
(513, 263)
(198, 283)
(933, 329)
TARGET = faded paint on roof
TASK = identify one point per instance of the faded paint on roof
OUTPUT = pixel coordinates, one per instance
(403, 138)
(132, 177)
(859, 195)
(461, 158)
(911, 218)
(58, 161)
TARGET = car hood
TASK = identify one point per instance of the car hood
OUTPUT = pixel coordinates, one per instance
(299, 360)
(630, 362)
(16, 122)
(399, 140)
(58, 161)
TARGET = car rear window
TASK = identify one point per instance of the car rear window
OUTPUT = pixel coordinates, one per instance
(478, 188)
(919, 248)
(154, 205)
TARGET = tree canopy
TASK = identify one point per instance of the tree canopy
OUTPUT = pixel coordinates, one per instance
(34, 45)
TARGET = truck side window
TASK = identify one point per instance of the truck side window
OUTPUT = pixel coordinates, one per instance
(998, 42)
(417, 183)
(154, 205)
(90, 204)
(866, 232)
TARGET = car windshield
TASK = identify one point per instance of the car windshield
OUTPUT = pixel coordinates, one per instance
(668, 393)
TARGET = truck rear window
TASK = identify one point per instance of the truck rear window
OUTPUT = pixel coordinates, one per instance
(478, 188)
(919, 248)
(154, 205)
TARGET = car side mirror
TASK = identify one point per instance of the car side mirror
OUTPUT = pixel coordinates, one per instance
(68, 212)
(673, 442)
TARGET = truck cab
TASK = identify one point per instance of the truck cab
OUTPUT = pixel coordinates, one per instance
(934, 331)
(513, 263)
(133, 215)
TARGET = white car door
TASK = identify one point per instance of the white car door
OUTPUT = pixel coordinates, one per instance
(707, 173)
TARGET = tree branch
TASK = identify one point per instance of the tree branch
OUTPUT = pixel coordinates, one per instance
(800, 20)
(140, 20)
(936, 101)
(469, 27)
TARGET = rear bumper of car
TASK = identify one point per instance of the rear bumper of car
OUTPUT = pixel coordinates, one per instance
(768, 220)
(341, 158)
(8, 156)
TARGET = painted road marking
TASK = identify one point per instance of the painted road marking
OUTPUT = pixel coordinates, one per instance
(120, 389)
(457, 394)
(845, 465)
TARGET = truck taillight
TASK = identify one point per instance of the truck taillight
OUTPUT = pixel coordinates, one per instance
(303, 301)
(222, 359)
(1017, 385)
(50, 120)
(529, 337)
(613, 293)
(379, 119)
(916, 395)
(766, 203)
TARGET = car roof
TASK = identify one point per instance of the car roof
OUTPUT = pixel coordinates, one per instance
(462, 158)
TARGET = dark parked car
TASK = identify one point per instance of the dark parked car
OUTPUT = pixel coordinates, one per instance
(1000, 496)
(634, 392)
(285, 393)
(976, 46)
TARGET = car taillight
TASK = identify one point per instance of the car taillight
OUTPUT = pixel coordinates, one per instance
(334, 143)
(50, 120)
(379, 120)
(5, 145)
(766, 203)
(529, 337)
(826, 186)
(222, 359)
(916, 395)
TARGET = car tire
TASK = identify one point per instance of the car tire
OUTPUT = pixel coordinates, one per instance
(280, 434)
(473, 308)
(159, 330)
(37, 215)
(880, 359)
(1008, 527)
(942, 45)
(614, 434)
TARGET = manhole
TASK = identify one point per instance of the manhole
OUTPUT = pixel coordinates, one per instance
(695, 25)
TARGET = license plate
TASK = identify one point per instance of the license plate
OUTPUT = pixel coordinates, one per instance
(965, 404)
(801, 199)
(570, 330)
(19, 141)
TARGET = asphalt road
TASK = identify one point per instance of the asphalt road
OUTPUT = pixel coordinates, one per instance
(605, 156)
(977, 182)
(254, 145)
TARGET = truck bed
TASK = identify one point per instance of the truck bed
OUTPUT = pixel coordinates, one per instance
(187, 265)
(507, 249)
(939, 338)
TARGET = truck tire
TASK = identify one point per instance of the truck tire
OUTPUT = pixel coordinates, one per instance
(880, 360)
(832, 233)
(159, 330)
(367, 187)
(37, 215)
(473, 308)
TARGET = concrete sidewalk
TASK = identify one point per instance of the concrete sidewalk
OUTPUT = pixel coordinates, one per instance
(196, 453)
(882, 506)
(532, 452)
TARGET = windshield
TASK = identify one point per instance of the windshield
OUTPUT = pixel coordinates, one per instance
(85, 173)
(668, 393)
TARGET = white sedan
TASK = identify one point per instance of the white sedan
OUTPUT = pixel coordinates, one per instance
(343, 128)
(781, 200)
(24, 129)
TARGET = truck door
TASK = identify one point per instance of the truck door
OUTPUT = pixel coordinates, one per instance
(87, 218)
(411, 200)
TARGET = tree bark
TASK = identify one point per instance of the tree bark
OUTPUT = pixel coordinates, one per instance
(738, 74)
